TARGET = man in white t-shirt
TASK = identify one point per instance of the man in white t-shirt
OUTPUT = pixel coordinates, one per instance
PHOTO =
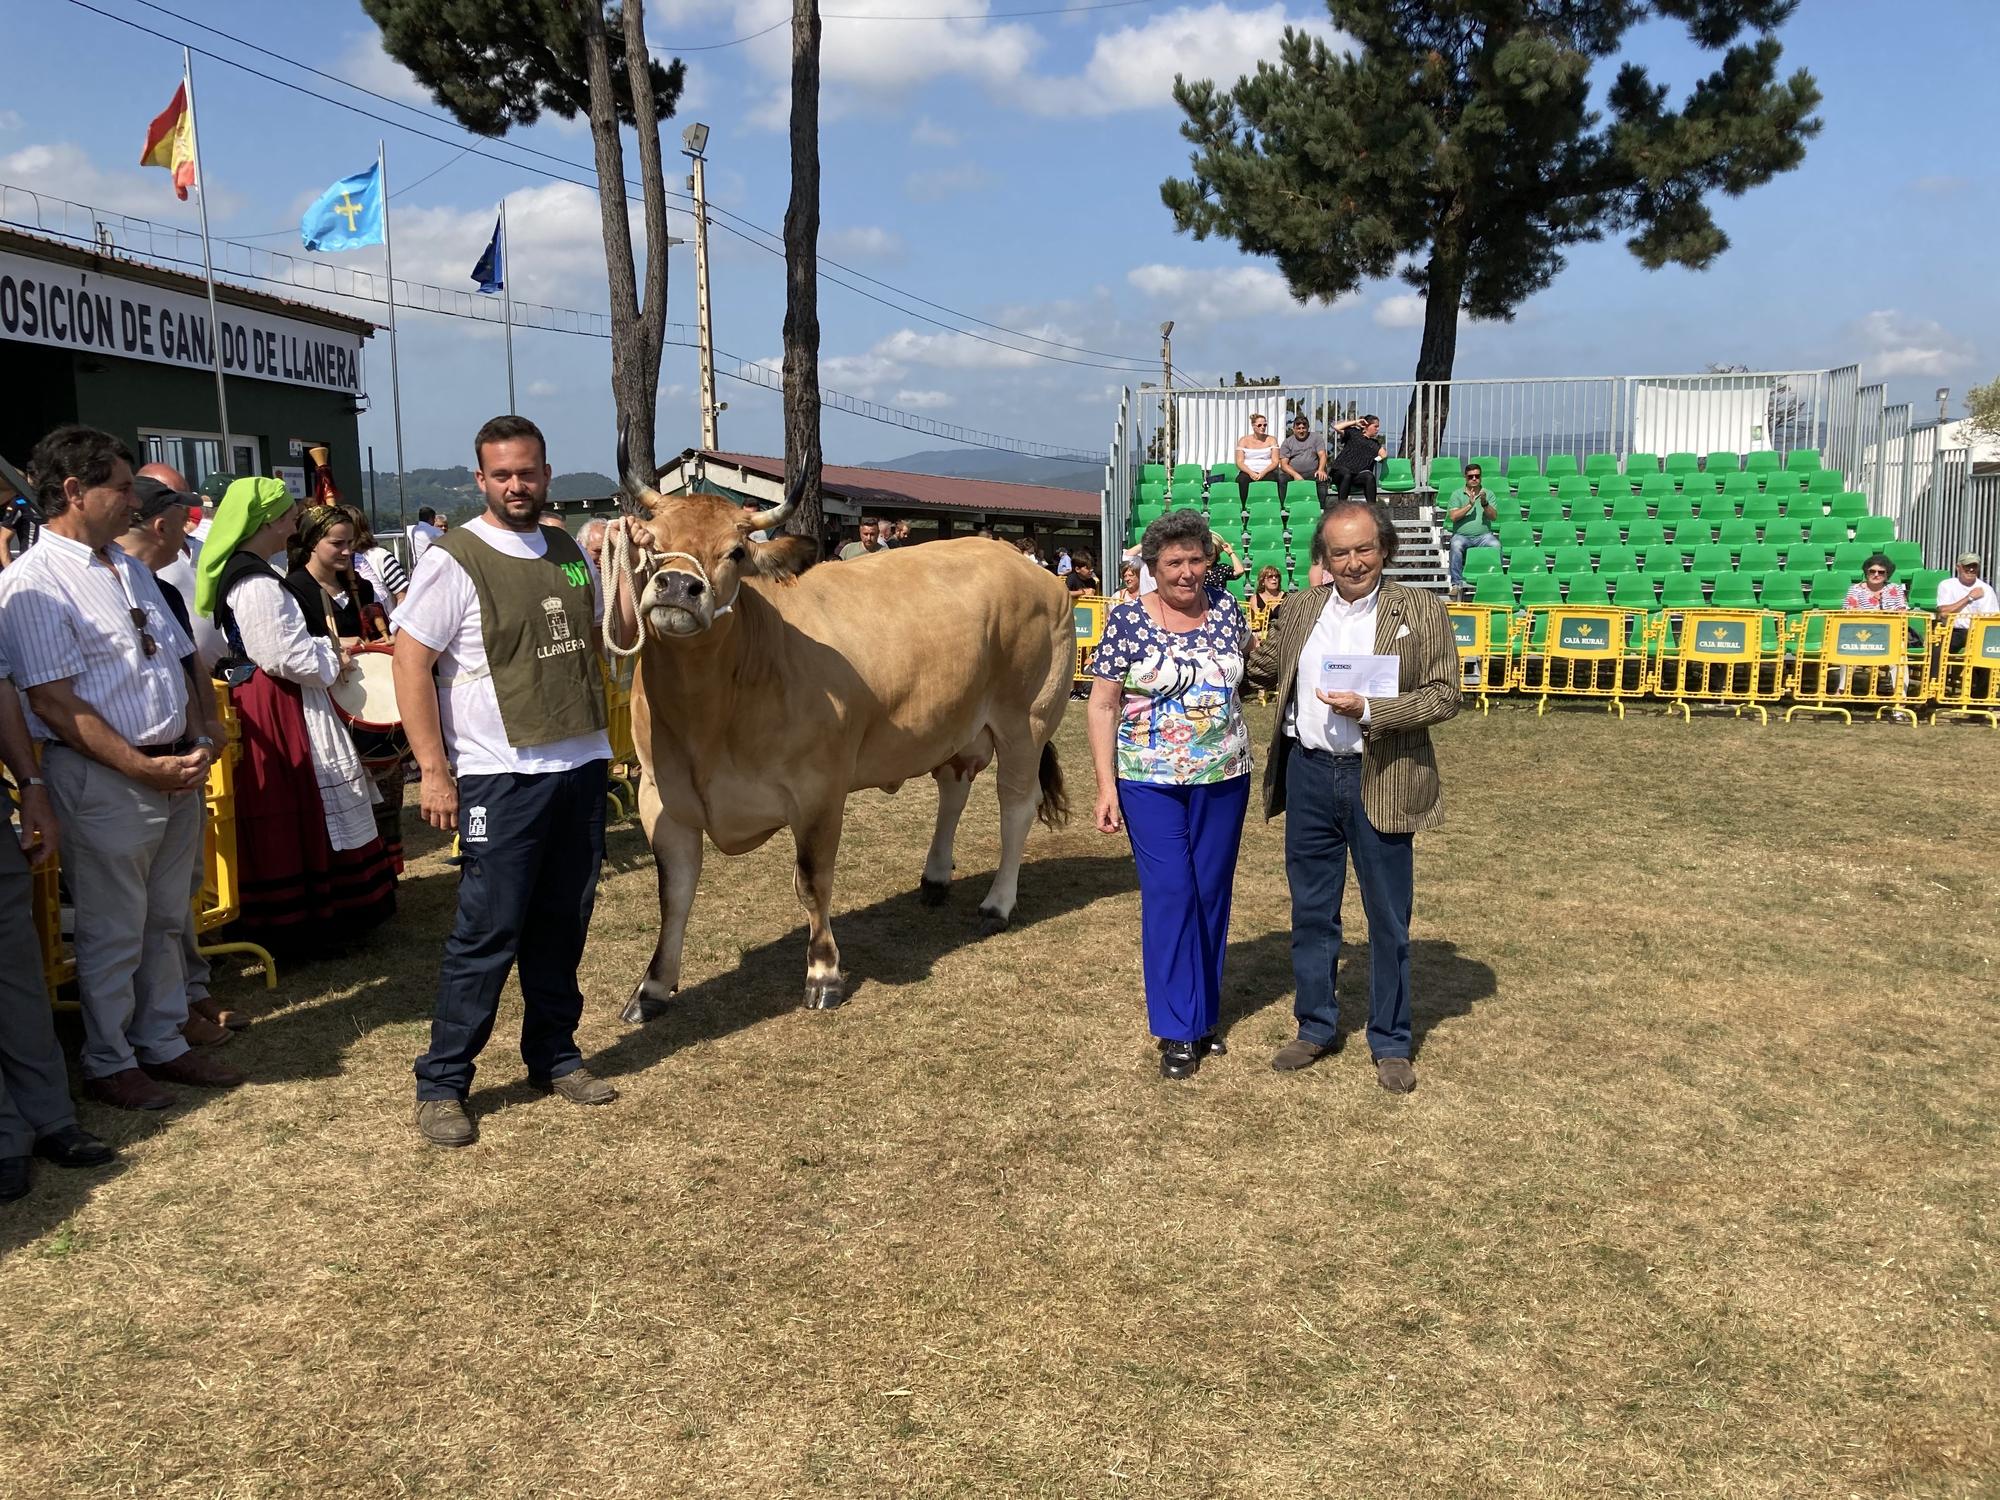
(511, 742)
(422, 535)
(1966, 594)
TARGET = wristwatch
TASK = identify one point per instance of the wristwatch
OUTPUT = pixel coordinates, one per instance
(28, 781)
(204, 742)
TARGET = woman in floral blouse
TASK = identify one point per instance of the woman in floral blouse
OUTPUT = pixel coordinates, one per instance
(1875, 591)
(1173, 767)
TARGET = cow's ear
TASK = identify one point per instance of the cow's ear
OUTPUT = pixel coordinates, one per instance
(782, 557)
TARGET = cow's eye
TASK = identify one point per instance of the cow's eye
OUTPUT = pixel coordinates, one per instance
(738, 553)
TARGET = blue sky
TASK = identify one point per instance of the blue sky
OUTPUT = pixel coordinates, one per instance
(1009, 170)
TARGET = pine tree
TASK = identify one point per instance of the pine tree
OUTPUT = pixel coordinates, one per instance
(1457, 147)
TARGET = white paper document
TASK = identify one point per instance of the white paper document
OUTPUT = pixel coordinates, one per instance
(1370, 676)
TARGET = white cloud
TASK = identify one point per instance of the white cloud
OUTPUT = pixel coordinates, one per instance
(930, 184)
(920, 400)
(64, 170)
(863, 59)
(1214, 293)
(927, 132)
(543, 388)
(1941, 185)
(1134, 67)
(364, 62)
(1404, 310)
(1898, 344)
(950, 351)
(862, 242)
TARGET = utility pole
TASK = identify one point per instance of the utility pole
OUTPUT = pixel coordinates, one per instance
(1167, 389)
(695, 140)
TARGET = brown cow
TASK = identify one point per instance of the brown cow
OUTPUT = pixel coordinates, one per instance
(765, 694)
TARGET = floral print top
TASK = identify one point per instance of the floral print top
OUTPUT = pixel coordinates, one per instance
(1180, 721)
(1889, 596)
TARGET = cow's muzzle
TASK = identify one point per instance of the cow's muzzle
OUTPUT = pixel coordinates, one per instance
(679, 603)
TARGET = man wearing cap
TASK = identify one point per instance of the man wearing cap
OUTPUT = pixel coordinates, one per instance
(91, 639)
(1965, 593)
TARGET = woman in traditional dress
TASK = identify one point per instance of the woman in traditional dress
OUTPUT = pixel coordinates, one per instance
(314, 872)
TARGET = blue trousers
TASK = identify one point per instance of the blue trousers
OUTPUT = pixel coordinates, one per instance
(1324, 822)
(532, 846)
(1460, 545)
(1184, 840)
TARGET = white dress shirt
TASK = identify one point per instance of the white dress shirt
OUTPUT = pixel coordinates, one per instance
(1343, 629)
(67, 613)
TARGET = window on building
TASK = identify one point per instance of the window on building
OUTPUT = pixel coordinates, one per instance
(198, 454)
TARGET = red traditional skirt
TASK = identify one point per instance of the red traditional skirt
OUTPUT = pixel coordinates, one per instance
(300, 894)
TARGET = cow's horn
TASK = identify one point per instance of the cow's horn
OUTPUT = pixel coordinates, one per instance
(635, 496)
(775, 518)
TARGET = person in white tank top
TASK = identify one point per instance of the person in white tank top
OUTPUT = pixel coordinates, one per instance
(1256, 455)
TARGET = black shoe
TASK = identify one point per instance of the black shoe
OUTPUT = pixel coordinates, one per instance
(1179, 1059)
(13, 1178)
(1213, 1045)
(73, 1146)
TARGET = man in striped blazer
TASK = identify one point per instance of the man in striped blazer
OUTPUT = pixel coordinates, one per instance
(1354, 774)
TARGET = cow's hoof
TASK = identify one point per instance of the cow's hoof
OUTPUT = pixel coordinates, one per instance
(934, 892)
(991, 922)
(644, 1006)
(825, 994)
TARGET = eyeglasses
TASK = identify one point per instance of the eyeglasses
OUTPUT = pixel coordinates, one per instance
(145, 637)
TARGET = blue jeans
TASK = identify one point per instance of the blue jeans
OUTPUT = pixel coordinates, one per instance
(1184, 841)
(1460, 545)
(532, 846)
(1324, 821)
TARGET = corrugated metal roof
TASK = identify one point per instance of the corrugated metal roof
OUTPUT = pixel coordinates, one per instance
(893, 488)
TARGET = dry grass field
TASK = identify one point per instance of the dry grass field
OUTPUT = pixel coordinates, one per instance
(1697, 1196)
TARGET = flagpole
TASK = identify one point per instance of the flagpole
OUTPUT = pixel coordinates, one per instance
(507, 303)
(395, 373)
(228, 463)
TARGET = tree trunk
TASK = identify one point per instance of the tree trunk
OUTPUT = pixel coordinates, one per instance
(802, 449)
(652, 313)
(632, 393)
(1444, 288)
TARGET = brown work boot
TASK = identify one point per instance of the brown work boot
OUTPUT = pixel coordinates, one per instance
(210, 1009)
(196, 1070)
(446, 1122)
(198, 1031)
(579, 1086)
(129, 1089)
(1298, 1053)
(1396, 1075)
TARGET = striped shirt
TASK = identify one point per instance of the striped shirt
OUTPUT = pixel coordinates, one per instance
(65, 614)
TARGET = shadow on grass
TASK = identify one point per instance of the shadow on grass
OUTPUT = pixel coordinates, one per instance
(1444, 983)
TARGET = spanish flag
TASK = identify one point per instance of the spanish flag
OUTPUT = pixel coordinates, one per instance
(170, 142)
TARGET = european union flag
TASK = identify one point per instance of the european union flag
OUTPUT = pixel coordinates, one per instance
(491, 272)
(347, 215)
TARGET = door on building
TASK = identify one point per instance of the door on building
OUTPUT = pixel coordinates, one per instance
(199, 454)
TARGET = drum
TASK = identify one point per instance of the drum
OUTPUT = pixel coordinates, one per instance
(365, 699)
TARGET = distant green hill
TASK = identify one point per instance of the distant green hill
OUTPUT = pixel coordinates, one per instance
(451, 492)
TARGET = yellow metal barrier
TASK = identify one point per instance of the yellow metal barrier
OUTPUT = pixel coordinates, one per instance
(1088, 611)
(1581, 651)
(623, 793)
(1848, 659)
(1967, 679)
(1484, 635)
(1721, 662)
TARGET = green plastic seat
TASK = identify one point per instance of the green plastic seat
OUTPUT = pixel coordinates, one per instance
(1805, 557)
(1644, 531)
(1152, 474)
(1532, 489)
(1733, 591)
(1574, 490)
(1222, 471)
(1657, 490)
(1848, 505)
(1875, 531)
(1802, 508)
(1692, 532)
(1722, 461)
(1785, 591)
(1712, 508)
(1194, 474)
(1783, 534)
(1560, 535)
(1626, 509)
(1566, 561)
(1761, 461)
(1618, 558)
(1825, 482)
(1597, 535)
(1441, 466)
(1907, 556)
(1783, 484)
(1851, 557)
(1757, 559)
(1682, 463)
(1802, 460)
(1660, 558)
(1638, 466)
(1760, 510)
(1491, 467)
(1491, 588)
(1829, 591)
(1562, 466)
(1540, 588)
(1588, 588)
(1516, 534)
(1828, 532)
(1545, 510)
(1299, 492)
(1482, 560)
(1681, 591)
(1524, 559)
(1264, 513)
(1634, 591)
(1268, 539)
(1922, 584)
(1398, 476)
(1261, 489)
(1736, 534)
(1523, 466)
(1710, 561)
(1739, 486)
(1599, 467)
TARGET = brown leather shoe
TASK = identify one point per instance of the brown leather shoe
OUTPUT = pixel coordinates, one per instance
(198, 1031)
(195, 1069)
(1298, 1053)
(130, 1089)
(210, 1009)
(578, 1085)
(1396, 1075)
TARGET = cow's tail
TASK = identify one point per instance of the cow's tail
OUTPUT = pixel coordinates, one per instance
(1053, 808)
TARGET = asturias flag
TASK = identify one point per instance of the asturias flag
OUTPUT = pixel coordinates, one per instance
(491, 272)
(170, 142)
(347, 215)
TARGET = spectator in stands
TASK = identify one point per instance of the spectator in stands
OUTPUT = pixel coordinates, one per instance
(1354, 774)
(1263, 604)
(37, 1115)
(314, 872)
(1256, 455)
(421, 535)
(1302, 456)
(1875, 591)
(1082, 575)
(1361, 449)
(1173, 766)
(1473, 517)
(1128, 582)
(868, 539)
(896, 534)
(1221, 574)
(376, 564)
(126, 751)
(1965, 594)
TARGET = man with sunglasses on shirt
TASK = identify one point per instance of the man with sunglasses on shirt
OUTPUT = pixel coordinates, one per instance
(126, 749)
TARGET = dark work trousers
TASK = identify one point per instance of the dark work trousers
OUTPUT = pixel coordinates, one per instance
(532, 846)
(1324, 822)
(1346, 483)
(1184, 842)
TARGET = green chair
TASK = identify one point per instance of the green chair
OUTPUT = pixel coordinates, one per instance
(1574, 489)
(1300, 493)
(1678, 464)
(1524, 559)
(1875, 531)
(1588, 588)
(1634, 591)
(1804, 557)
(1923, 582)
(1711, 560)
(1757, 559)
(1848, 505)
(1736, 534)
(1561, 535)
(1660, 558)
(1516, 534)
(1565, 562)
(1265, 540)
(1153, 474)
(1785, 592)
(1442, 467)
(1801, 508)
(1545, 510)
(1639, 466)
(1825, 482)
(1262, 489)
(1398, 476)
(1221, 473)
(1782, 484)
(1599, 467)
(1644, 532)
(1713, 509)
(1491, 588)
(1562, 466)
(1627, 509)
(1760, 510)
(1522, 466)
(1722, 461)
(1597, 535)
(1489, 466)
(1733, 591)
(1802, 460)
(1907, 556)
(1829, 591)
(1540, 589)
(1194, 474)
(1532, 488)
(1739, 486)
(1618, 558)
(1482, 560)
(1762, 461)
(1681, 591)
(1828, 532)
(1264, 513)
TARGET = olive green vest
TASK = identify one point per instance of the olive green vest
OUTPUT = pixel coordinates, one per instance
(535, 617)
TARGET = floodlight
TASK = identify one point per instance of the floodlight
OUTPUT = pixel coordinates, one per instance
(695, 138)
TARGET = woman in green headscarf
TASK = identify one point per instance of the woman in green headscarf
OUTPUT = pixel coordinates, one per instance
(314, 871)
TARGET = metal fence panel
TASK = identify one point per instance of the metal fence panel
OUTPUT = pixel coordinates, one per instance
(1982, 517)
(1838, 444)
(1865, 476)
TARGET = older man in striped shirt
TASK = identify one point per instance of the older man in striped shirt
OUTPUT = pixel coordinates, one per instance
(126, 750)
